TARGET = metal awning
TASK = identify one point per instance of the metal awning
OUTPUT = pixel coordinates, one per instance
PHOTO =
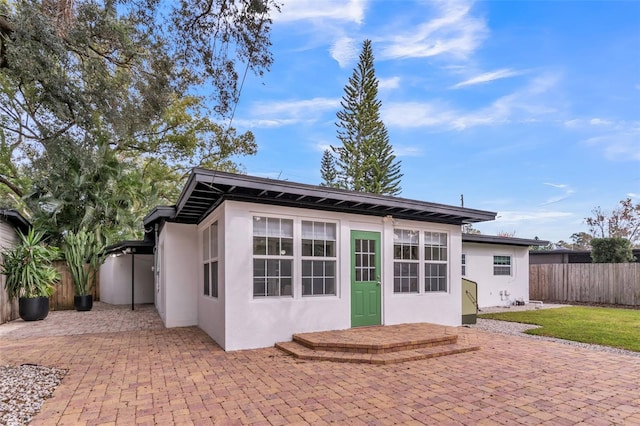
(206, 189)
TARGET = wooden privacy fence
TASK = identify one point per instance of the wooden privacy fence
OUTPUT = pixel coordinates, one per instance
(63, 294)
(610, 283)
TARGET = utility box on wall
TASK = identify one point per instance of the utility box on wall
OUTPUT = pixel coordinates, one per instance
(469, 301)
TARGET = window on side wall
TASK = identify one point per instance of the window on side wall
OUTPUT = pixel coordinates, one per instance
(406, 261)
(210, 260)
(501, 265)
(318, 258)
(436, 263)
(464, 265)
(272, 256)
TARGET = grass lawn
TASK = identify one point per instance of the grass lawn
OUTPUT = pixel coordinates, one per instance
(618, 328)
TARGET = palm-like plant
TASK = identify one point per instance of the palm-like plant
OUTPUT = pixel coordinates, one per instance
(84, 253)
(28, 267)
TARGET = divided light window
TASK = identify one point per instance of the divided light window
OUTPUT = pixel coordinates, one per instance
(464, 265)
(272, 256)
(436, 264)
(501, 265)
(318, 258)
(210, 260)
(406, 261)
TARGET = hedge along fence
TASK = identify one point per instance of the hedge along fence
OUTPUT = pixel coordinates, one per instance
(610, 283)
(63, 294)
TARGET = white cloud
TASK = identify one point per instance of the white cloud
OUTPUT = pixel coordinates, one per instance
(618, 146)
(524, 105)
(566, 193)
(489, 76)
(284, 113)
(599, 122)
(338, 10)
(633, 195)
(514, 217)
(389, 83)
(407, 151)
(344, 51)
(454, 31)
(557, 185)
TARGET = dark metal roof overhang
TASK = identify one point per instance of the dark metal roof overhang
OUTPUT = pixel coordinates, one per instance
(16, 219)
(496, 239)
(206, 189)
(131, 246)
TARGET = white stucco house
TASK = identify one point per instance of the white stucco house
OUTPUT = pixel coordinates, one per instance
(500, 267)
(252, 261)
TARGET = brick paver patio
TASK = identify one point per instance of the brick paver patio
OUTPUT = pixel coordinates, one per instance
(179, 376)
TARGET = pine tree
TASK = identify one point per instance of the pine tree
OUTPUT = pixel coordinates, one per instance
(328, 170)
(365, 160)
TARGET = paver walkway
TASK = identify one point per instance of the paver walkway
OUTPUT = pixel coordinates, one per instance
(179, 376)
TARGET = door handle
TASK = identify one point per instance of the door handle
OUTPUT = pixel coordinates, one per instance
(378, 283)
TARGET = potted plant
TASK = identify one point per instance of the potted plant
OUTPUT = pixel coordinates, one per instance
(84, 253)
(30, 274)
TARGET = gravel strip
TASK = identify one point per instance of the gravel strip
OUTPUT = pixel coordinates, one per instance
(23, 390)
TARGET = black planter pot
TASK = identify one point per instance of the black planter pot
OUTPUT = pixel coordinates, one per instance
(33, 308)
(83, 303)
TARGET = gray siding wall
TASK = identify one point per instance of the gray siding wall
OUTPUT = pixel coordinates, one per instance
(8, 238)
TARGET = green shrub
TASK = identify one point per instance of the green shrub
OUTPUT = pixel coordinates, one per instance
(611, 250)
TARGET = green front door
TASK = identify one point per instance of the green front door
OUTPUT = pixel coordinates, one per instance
(365, 278)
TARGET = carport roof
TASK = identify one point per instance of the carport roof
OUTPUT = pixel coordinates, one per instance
(206, 189)
(496, 239)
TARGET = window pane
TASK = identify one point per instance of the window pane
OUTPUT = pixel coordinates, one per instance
(330, 268)
(214, 240)
(285, 268)
(273, 227)
(205, 244)
(318, 248)
(259, 287)
(331, 249)
(307, 230)
(306, 287)
(286, 247)
(205, 276)
(287, 228)
(259, 269)
(259, 226)
(330, 231)
(273, 287)
(259, 245)
(307, 247)
(318, 286)
(330, 286)
(273, 246)
(214, 279)
(286, 287)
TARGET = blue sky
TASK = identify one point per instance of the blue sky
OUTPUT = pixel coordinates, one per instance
(529, 109)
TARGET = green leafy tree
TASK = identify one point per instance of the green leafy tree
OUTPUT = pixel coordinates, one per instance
(94, 95)
(328, 170)
(365, 161)
(611, 250)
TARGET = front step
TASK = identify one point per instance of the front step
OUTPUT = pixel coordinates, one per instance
(380, 344)
(302, 352)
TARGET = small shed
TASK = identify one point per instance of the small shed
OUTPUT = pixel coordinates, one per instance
(126, 276)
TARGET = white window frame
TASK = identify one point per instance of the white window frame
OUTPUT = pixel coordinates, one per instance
(318, 237)
(463, 261)
(501, 266)
(210, 252)
(267, 257)
(436, 260)
(405, 258)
